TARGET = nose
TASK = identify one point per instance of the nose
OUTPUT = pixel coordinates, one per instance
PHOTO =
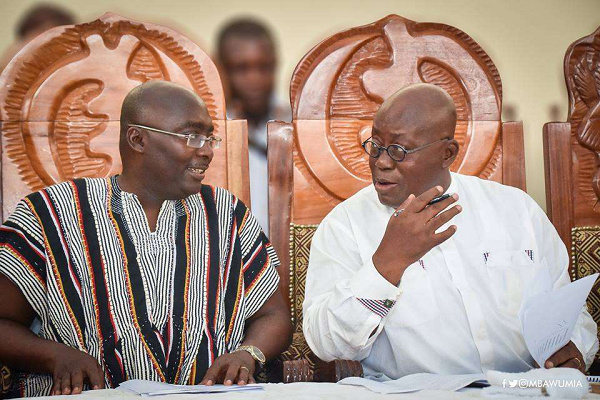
(205, 151)
(385, 161)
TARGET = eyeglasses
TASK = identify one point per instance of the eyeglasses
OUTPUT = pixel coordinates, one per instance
(395, 151)
(193, 139)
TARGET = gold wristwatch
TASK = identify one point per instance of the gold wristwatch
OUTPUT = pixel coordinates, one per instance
(255, 352)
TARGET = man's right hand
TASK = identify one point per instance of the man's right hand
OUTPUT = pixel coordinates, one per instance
(70, 367)
(411, 234)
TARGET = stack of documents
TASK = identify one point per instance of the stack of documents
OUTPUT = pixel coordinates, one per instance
(548, 318)
(417, 382)
(149, 388)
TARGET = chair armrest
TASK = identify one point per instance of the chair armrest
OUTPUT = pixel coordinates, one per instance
(334, 371)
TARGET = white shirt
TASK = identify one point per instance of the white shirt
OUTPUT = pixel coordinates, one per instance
(456, 310)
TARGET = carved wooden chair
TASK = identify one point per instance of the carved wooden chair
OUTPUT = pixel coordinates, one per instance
(317, 161)
(60, 100)
(572, 162)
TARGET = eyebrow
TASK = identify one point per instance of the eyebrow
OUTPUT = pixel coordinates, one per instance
(198, 125)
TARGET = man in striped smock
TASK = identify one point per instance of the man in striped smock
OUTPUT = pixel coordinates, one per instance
(144, 275)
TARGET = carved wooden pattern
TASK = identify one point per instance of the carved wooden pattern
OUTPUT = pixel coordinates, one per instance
(572, 167)
(60, 100)
(339, 85)
(582, 75)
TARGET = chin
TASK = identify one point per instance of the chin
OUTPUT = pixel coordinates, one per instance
(190, 190)
(386, 200)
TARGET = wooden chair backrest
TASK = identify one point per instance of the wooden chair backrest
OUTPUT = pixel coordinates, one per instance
(572, 166)
(572, 148)
(61, 95)
(317, 162)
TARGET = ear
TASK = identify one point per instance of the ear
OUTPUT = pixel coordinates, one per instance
(450, 153)
(136, 140)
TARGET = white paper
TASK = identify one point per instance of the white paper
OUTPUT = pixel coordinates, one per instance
(548, 318)
(150, 388)
(416, 382)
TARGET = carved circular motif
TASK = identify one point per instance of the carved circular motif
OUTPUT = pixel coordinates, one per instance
(63, 94)
(344, 80)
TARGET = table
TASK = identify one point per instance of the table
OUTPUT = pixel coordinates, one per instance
(293, 391)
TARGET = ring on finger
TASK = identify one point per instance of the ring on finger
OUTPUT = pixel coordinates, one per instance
(579, 363)
(398, 212)
(242, 367)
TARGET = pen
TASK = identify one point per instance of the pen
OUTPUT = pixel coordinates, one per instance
(438, 199)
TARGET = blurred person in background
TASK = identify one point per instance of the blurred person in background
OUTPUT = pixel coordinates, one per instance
(38, 19)
(247, 57)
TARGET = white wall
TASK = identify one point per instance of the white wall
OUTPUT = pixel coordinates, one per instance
(526, 39)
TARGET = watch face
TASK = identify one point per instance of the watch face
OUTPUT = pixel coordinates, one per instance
(254, 352)
(258, 354)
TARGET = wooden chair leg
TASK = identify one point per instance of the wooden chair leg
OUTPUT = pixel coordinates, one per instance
(297, 371)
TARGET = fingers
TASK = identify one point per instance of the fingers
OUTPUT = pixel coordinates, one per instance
(210, 378)
(568, 352)
(243, 376)
(96, 377)
(65, 383)
(77, 381)
(444, 235)
(573, 363)
(420, 202)
(55, 387)
(440, 219)
(232, 373)
(436, 208)
(406, 202)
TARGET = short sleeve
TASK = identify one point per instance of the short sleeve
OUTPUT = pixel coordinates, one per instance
(22, 255)
(259, 261)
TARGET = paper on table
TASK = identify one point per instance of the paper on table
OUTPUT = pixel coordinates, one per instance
(150, 388)
(416, 382)
(548, 318)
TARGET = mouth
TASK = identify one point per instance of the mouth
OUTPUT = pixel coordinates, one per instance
(384, 185)
(197, 172)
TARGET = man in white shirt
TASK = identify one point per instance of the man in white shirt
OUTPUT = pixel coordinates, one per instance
(393, 284)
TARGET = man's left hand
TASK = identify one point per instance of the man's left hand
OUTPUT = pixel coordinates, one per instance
(231, 368)
(567, 357)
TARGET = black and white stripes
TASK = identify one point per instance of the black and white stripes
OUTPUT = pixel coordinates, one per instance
(149, 305)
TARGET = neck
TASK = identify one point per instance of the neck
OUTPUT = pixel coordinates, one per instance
(148, 198)
(445, 180)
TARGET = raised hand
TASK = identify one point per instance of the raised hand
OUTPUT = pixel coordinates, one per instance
(410, 232)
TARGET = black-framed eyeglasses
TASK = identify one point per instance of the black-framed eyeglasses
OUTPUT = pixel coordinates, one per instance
(395, 151)
(195, 140)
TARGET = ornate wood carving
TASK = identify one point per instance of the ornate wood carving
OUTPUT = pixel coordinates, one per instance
(582, 75)
(572, 166)
(60, 100)
(339, 85)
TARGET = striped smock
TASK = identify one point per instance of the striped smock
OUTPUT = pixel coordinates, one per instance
(156, 305)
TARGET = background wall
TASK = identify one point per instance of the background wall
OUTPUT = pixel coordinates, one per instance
(527, 40)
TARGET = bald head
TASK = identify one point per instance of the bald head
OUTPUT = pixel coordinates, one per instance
(145, 100)
(427, 109)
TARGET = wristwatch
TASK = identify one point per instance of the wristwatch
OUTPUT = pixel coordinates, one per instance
(255, 352)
